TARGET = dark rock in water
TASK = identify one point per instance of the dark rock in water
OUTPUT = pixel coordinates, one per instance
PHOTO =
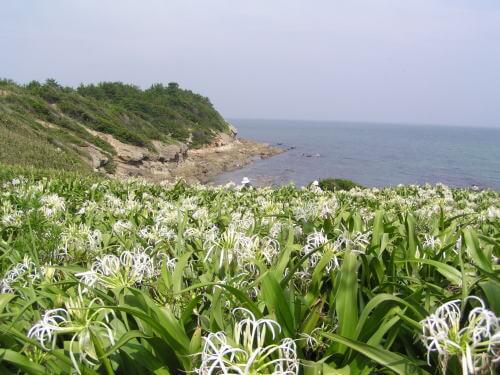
(311, 155)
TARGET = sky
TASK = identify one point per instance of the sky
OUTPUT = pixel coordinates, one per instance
(396, 61)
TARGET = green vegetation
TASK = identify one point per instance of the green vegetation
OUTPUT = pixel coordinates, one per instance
(22, 144)
(101, 277)
(47, 125)
(334, 184)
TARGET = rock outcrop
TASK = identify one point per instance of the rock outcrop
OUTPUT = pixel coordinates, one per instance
(176, 152)
(175, 160)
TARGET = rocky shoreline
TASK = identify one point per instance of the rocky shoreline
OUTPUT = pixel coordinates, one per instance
(172, 161)
(202, 165)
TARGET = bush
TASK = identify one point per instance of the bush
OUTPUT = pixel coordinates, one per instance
(335, 184)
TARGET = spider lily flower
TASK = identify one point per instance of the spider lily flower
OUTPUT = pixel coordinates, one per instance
(357, 241)
(169, 262)
(22, 274)
(77, 241)
(80, 319)
(431, 241)
(52, 204)
(493, 213)
(242, 220)
(122, 227)
(315, 341)
(231, 244)
(270, 248)
(314, 241)
(111, 271)
(11, 218)
(476, 343)
(156, 234)
(45, 330)
(246, 352)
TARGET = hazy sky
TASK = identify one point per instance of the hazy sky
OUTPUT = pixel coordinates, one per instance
(417, 61)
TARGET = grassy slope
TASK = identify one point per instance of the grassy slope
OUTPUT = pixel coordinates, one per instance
(43, 125)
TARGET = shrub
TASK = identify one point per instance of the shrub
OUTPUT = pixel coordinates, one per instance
(334, 184)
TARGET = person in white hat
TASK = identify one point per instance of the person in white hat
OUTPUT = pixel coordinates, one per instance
(315, 186)
(245, 183)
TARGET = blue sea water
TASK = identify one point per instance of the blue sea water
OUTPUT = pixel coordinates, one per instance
(372, 154)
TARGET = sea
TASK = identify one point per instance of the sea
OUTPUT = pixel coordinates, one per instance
(374, 155)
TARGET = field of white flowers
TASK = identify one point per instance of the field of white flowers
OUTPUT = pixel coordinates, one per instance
(105, 277)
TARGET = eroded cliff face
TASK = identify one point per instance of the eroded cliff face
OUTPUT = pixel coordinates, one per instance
(130, 160)
(175, 160)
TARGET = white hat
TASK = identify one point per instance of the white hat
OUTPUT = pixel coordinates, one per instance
(245, 181)
(315, 183)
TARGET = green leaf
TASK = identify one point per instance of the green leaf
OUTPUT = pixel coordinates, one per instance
(100, 353)
(4, 300)
(378, 230)
(285, 254)
(377, 337)
(241, 296)
(138, 353)
(381, 299)
(492, 291)
(411, 236)
(195, 344)
(126, 337)
(277, 303)
(474, 250)
(393, 361)
(21, 362)
(179, 270)
(451, 273)
(346, 301)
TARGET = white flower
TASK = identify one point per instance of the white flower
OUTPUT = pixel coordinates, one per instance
(79, 319)
(52, 204)
(44, 331)
(122, 227)
(21, 274)
(356, 241)
(246, 352)
(78, 241)
(270, 248)
(493, 212)
(476, 343)
(431, 241)
(315, 240)
(111, 271)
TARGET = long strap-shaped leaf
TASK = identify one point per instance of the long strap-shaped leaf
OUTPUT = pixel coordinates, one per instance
(451, 273)
(346, 300)
(396, 362)
(381, 299)
(21, 362)
(277, 303)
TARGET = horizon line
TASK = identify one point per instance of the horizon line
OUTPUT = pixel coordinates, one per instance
(374, 122)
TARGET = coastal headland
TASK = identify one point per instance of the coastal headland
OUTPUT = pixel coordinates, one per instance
(120, 130)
